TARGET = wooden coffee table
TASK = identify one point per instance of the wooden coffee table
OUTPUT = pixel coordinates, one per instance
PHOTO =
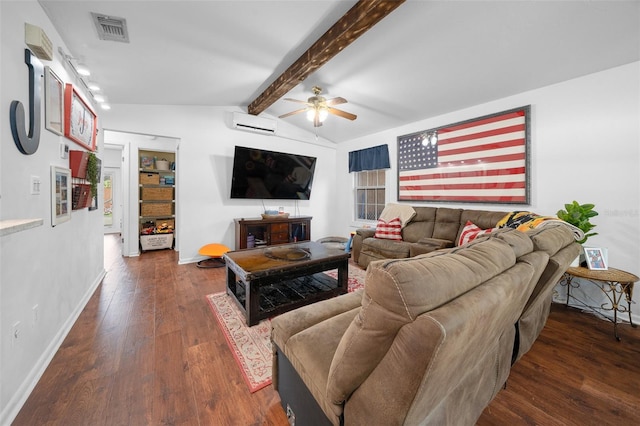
(269, 281)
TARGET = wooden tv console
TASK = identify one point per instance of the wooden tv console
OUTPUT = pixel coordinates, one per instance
(272, 231)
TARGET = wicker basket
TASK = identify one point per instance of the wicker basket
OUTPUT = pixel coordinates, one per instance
(149, 179)
(156, 209)
(163, 194)
(275, 216)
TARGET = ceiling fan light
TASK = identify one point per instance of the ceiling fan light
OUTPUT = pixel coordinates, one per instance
(311, 114)
(323, 113)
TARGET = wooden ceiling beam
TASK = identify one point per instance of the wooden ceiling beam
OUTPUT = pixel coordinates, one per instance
(360, 18)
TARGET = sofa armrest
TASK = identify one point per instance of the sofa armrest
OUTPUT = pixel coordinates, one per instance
(293, 322)
(366, 232)
(427, 245)
(356, 242)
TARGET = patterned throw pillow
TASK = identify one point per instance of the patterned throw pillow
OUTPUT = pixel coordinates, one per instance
(391, 230)
(471, 231)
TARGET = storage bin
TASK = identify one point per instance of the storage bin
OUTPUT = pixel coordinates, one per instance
(80, 196)
(156, 241)
(156, 209)
(78, 163)
(157, 194)
(171, 223)
(162, 165)
(149, 179)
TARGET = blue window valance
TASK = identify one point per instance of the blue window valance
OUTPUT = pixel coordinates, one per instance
(373, 158)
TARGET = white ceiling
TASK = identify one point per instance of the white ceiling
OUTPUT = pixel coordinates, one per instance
(425, 59)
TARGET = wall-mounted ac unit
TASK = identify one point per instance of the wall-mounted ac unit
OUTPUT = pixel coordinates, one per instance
(253, 123)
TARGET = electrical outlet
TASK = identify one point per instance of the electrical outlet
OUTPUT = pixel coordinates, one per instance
(291, 416)
(35, 185)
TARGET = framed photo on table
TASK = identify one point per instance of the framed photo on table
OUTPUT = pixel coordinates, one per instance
(60, 195)
(53, 105)
(595, 258)
(80, 121)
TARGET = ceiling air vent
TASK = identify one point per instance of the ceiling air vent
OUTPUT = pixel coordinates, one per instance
(111, 28)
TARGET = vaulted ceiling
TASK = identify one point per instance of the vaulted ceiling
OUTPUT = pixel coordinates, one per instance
(424, 59)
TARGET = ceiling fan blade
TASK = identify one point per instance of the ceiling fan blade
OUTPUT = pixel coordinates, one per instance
(297, 100)
(342, 114)
(336, 101)
(298, 111)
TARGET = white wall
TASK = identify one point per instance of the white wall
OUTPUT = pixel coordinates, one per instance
(585, 138)
(585, 135)
(205, 212)
(56, 268)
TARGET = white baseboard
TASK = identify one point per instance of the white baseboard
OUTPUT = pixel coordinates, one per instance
(15, 404)
(191, 260)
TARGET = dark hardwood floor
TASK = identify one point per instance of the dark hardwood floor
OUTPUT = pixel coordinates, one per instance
(146, 350)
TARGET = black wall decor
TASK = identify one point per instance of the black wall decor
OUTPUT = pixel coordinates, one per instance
(28, 144)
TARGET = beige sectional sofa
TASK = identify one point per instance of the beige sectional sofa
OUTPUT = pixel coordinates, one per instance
(432, 228)
(429, 340)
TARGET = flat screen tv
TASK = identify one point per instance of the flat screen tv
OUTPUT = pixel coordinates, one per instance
(262, 174)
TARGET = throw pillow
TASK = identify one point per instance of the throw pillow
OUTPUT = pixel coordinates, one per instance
(391, 230)
(472, 231)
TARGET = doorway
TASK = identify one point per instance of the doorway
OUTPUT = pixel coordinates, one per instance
(112, 201)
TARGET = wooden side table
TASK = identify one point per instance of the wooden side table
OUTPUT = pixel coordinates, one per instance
(614, 283)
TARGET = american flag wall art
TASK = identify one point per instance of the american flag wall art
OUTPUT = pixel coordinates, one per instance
(484, 160)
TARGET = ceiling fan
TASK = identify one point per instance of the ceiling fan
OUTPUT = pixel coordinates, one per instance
(318, 108)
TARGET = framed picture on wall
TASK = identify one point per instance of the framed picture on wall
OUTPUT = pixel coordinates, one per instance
(80, 121)
(595, 258)
(53, 102)
(482, 160)
(60, 195)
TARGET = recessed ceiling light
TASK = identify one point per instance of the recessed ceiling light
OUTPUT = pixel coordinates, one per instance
(83, 70)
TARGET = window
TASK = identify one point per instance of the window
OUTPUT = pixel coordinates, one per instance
(370, 194)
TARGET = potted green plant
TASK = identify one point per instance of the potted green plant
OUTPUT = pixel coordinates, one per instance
(579, 215)
(92, 173)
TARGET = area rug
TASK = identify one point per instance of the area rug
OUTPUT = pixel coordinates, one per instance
(251, 346)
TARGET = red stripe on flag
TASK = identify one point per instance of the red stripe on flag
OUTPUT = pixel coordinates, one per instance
(460, 186)
(445, 175)
(485, 147)
(475, 198)
(481, 160)
(488, 120)
(485, 134)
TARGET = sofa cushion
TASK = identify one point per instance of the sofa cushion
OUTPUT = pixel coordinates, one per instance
(396, 293)
(471, 231)
(391, 230)
(421, 225)
(551, 238)
(447, 224)
(379, 248)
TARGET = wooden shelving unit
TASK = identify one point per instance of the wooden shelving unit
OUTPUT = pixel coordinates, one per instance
(157, 199)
